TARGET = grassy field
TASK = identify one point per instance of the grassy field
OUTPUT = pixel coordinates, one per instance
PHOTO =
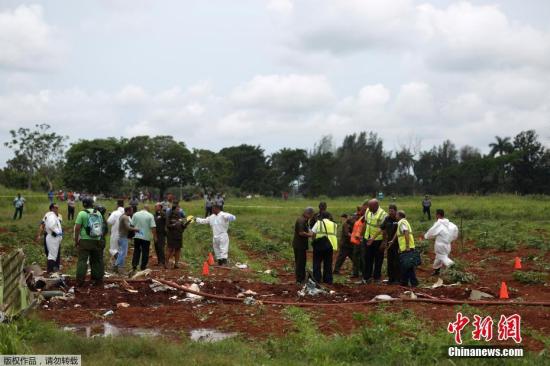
(261, 235)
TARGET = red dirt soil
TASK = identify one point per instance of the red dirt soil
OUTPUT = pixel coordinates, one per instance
(157, 311)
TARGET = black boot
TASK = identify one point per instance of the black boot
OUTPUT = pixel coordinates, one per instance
(220, 262)
(50, 266)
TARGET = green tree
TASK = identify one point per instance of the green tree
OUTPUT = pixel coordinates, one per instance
(211, 171)
(528, 165)
(287, 166)
(40, 148)
(501, 146)
(95, 166)
(159, 162)
(250, 169)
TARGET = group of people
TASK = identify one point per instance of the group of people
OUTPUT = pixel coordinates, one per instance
(366, 237)
(164, 227)
(210, 200)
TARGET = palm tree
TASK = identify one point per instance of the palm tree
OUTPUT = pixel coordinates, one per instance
(501, 147)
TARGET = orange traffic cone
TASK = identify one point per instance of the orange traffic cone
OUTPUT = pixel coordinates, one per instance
(210, 259)
(517, 263)
(205, 269)
(503, 291)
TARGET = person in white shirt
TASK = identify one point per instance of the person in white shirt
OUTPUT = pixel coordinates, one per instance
(219, 221)
(54, 231)
(113, 220)
(444, 232)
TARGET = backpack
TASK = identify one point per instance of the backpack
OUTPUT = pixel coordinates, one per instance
(94, 227)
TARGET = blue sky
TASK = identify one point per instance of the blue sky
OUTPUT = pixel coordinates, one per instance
(278, 73)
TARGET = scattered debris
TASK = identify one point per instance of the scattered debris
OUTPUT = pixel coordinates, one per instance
(128, 288)
(247, 293)
(268, 271)
(209, 335)
(408, 295)
(175, 297)
(250, 301)
(110, 285)
(241, 265)
(50, 294)
(122, 305)
(77, 305)
(108, 313)
(156, 286)
(479, 295)
(193, 297)
(311, 288)
(382, 297)
(439, 283)
(141, 274)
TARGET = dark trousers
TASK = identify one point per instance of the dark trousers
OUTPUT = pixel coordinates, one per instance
(70, 213)
(345, 251)
(324, 258)
(394, 271)
(207, 211)
(408, 275)
(18, 211)
(300, 259)
(159, 247)
(357, 260)
(426, 210)
(373, 258)
(141, 251)
(92, 250)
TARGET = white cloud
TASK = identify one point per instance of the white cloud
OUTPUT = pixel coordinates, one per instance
(465, 36)
(27, 42)
(280, 6)
(284, 92)
(415, 100)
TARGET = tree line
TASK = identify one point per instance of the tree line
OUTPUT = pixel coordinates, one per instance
(359, 166)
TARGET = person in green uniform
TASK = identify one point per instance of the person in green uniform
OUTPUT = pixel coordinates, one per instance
(88, 234)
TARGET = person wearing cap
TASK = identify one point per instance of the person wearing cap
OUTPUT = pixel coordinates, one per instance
(302, 234)
(89, 246)
(345, 249)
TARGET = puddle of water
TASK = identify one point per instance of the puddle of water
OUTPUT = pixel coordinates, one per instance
(209, 335)
(109, 330)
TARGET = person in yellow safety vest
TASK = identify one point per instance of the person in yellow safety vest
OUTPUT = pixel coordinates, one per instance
(405, 240)
(325, 242)
(373, 257)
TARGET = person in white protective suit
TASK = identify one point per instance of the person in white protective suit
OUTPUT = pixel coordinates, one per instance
(219, 221)
(54, 231)
(444, 232)
(113, 220)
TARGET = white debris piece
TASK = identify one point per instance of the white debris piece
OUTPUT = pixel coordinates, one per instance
(479, 295)
(439, 283)
(241, 265)
(108, 313)
(142, 274)
(382, 297)
(194, 297)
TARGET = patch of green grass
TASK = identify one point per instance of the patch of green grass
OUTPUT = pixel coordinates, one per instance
(530, 277)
